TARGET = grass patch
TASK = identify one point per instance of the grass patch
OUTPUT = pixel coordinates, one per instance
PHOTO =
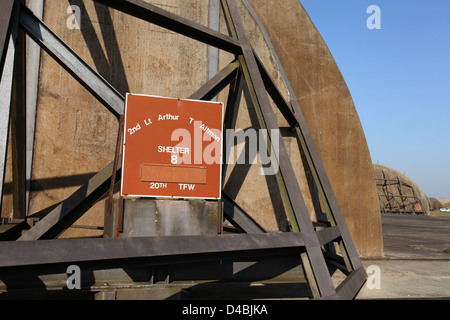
(446, 251)
(439, 213)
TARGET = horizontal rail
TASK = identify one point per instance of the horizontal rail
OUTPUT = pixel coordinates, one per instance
(164, 250)
(328, 234)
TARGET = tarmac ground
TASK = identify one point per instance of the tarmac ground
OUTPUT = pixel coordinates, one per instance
(416, 264)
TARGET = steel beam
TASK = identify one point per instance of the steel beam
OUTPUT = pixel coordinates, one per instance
(18, 125)
(163, 250)
(231, 112)
(328, 235)
(72, 62)
(349, 288)
(71, 209)
(266, 117)
(314, 163)
(238, 217)
(165, 19)
(215, 85)
(275, 94)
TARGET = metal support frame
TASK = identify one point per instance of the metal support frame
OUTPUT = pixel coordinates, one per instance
(397, 196)
(38, 246)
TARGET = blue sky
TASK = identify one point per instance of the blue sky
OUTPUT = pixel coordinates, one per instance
(399, 78)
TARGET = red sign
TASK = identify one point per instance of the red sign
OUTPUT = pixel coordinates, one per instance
(172, 148)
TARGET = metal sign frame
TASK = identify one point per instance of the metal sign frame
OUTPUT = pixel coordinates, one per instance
(146, 111)
(38, 246)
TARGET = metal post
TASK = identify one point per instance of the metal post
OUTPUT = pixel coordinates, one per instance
(18, 128)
